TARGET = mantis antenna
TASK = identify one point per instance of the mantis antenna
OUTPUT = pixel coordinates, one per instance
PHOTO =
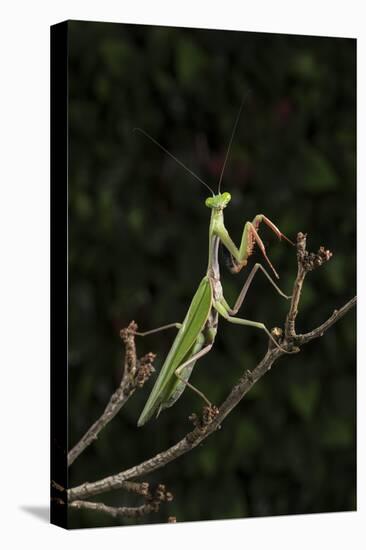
(231, 139)
(174, 158)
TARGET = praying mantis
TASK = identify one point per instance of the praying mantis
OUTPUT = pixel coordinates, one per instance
(196, 334)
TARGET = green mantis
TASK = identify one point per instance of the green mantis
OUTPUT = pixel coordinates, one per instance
(196, 334)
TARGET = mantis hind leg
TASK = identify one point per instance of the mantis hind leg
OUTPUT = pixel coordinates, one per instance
(187, 364)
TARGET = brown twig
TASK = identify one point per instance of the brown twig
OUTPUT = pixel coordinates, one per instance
(114, 511)
(135, 373)
(319, 331)
(306, 261)
(142, 489)
(213, 417)
(152, 504)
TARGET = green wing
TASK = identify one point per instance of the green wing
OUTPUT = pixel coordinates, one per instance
(187, 335)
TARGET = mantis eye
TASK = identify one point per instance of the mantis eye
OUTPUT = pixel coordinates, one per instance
(209, 202)
(226, 198)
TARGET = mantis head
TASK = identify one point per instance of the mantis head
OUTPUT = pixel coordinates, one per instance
(219, 202)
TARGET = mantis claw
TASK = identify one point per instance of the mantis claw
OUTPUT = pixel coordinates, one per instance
(287, 239)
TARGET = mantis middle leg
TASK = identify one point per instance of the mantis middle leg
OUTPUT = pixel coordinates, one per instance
(244, 290)
(158, 329)
(221, 307)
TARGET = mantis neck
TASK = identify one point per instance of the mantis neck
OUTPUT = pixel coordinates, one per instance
(213, 268)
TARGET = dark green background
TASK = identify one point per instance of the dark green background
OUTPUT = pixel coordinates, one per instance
(138, 232)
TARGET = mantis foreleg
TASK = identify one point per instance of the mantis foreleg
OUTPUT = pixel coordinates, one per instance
(249, 238)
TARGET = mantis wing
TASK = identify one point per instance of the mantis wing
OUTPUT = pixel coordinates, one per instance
(186, 337)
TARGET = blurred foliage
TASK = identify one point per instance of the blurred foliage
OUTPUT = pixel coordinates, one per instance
(138, 248)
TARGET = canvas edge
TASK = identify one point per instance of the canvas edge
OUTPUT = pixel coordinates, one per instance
(59, 273)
